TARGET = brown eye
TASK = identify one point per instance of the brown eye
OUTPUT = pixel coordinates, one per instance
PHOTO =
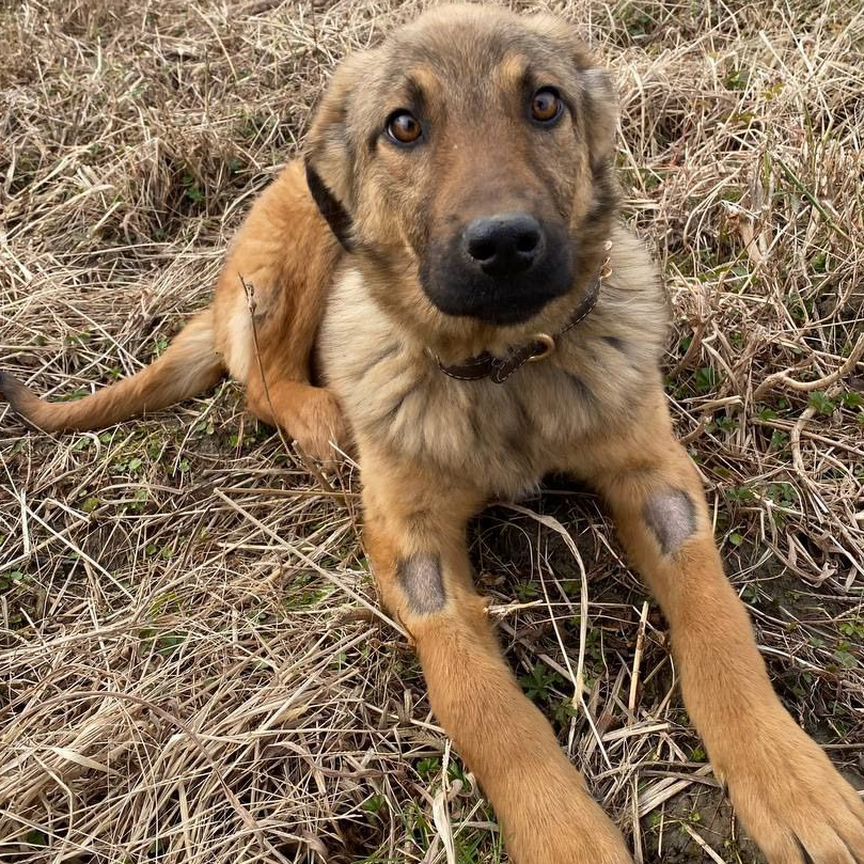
(404, 128)
(546, 105)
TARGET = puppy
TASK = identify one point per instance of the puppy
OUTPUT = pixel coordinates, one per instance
(449, 252)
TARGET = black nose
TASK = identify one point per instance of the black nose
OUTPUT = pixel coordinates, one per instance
(506, 244)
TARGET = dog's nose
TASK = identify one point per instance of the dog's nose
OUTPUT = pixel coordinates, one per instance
(506, 244)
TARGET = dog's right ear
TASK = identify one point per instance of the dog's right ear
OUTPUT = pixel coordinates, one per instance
(329, 153)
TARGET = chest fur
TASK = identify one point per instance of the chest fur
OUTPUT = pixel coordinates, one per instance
(507, 435)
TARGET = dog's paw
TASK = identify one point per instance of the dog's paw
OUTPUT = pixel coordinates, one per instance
(316, 421)
(794, 803)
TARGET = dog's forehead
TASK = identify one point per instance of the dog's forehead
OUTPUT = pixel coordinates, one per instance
(471, 61)
(468, 44)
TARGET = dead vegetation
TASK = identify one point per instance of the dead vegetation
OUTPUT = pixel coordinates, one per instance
(192, 667)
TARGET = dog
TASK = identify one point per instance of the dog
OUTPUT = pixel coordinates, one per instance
(448, 256)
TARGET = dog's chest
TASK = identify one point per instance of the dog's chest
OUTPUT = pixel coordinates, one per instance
(507, 436)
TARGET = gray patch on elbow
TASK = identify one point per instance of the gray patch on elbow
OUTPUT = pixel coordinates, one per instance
(671, 515)
(423, 583)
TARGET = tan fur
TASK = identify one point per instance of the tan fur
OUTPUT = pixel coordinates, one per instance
(187, 367)
(433, 450)
(260, 328)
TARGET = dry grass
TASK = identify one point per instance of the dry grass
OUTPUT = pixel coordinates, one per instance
(190, 668)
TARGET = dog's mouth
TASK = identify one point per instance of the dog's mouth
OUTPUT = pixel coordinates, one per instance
(500, 270)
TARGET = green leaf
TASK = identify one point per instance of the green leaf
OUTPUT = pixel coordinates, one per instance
(820, 402)
(706, 380)
(845, 658)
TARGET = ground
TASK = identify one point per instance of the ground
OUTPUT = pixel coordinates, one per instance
(192, 666)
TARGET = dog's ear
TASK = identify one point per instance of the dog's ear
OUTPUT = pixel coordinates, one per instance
(600, 105)
(602, 111)
(329, 152)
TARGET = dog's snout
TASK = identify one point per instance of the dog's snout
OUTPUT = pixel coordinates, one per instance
(504, 245)
(501, 268)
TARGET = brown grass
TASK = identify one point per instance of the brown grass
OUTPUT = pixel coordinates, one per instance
(190, 668)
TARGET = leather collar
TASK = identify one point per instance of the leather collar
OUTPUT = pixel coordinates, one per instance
(329, 207)
(499, 369)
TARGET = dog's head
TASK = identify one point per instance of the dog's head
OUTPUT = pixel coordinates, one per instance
(466, 162)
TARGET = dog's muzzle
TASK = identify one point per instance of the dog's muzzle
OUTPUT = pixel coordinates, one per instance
(501, 269)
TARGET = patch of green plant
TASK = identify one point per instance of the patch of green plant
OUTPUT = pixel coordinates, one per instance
(782, 494)
(139, 500)
(854, 629)
(74, 395)
(852, 400)
(307, 591)
(82, 337)
(818, 263)
(820, 402)
(707, 380)
(636, 20)
(161, 643)
(429, 768)
(91, 504)
(478, 846)
(740, 495)
(11, 579)
(779, 440)
(564, 712)
(193, 190)
(527, 591)
(35, 837)
(844, 656)
(374, 804)
(540, 682)
(161, 346)
(750, 595)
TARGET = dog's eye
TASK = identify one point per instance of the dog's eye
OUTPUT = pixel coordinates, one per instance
(546, 105)
(404, 128)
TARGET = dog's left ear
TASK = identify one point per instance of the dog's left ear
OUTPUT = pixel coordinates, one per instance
(329, 153)
(599, 104)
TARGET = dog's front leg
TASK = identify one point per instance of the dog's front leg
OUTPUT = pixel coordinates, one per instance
(415, 536)
(789, 796)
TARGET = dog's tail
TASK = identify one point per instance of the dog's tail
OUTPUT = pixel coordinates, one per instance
(189, 366)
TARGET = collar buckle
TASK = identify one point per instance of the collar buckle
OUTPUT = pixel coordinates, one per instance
(543, 346)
